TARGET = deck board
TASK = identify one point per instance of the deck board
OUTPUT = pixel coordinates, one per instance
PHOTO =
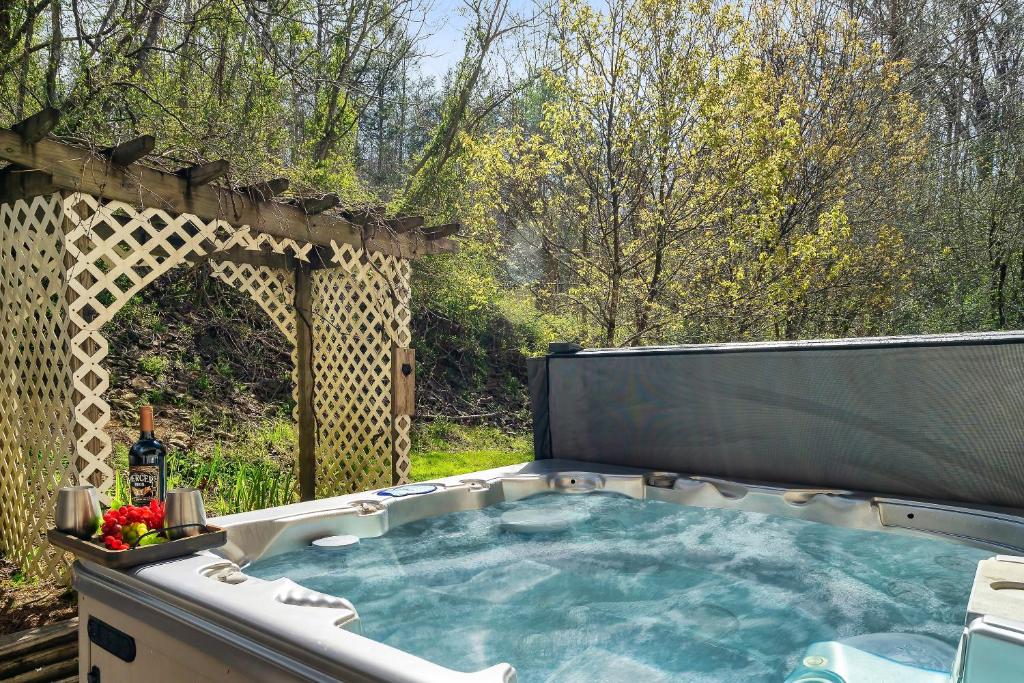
(47, 654)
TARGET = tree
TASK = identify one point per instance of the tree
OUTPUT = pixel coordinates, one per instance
(692, 176)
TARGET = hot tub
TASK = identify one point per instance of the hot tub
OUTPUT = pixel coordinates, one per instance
(569, 571)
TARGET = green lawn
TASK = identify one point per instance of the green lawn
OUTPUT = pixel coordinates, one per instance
(443, 448)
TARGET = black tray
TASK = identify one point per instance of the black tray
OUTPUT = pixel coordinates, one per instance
(211, 537)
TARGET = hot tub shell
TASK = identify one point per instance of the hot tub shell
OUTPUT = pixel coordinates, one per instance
(200, 618)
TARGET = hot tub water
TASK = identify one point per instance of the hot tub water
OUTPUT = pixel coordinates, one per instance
(639, 590)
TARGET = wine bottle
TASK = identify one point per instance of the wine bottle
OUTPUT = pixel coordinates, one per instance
(147, 463)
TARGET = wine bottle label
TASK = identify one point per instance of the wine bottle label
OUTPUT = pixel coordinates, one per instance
(144, 482)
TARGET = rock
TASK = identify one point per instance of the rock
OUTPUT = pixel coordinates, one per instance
(178, 441)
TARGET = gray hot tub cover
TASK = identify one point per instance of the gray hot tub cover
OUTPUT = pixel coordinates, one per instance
(935, 417)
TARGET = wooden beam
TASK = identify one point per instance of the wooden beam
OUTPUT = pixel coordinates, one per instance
(440, 231)
(374, 218)
(388, 226)
(443, 245)
(38, 126)
(400, 226)
(312, 206)
(266, 190)
(305, 386)
(368, 215)
(77, 170)
(255, 257)
(26, 666)
(38, 638)
(18, 183)
(204, 174)
(131, 151)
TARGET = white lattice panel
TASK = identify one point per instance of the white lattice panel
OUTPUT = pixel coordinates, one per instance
(35, 386)
(354, 326)
(274, 290)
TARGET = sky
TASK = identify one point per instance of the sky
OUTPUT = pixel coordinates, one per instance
(446, 23)
(444, 47)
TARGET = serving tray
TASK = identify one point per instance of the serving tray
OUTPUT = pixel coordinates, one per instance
(211, 537)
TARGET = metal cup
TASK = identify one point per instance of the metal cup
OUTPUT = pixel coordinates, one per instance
(78, 510)
(184, 506)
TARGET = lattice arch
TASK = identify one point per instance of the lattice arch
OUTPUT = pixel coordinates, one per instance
(71, 260)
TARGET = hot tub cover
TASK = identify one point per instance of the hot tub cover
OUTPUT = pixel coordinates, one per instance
(936, 416)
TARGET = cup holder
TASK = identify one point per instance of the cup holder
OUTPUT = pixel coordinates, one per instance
(225, 572)
(368, 507)
(662, 480)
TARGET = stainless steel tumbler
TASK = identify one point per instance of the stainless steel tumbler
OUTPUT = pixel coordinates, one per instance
(184, 506)
(78, 510)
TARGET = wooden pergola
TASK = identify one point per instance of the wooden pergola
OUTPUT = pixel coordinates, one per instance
(82, 230)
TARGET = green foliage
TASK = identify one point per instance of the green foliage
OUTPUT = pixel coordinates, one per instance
(693, 176)
(143, 313)
(471, 336)
(20, 578)
(154, 365)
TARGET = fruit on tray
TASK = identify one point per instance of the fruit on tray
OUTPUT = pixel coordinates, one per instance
(124, 526)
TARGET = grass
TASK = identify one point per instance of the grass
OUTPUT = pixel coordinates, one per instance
(443, 448)
(256, 470)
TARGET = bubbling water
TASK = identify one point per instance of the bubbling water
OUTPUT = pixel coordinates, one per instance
(637, 590)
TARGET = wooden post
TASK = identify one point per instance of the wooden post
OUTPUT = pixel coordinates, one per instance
(304, 371)
(403, 380)
(403, 402)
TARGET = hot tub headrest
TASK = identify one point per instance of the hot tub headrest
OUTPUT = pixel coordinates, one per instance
(938, 417)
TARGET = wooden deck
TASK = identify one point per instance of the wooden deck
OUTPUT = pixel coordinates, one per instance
(41, 655)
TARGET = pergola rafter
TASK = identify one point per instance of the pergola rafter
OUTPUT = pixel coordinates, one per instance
(77, 169)
(82, 231)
